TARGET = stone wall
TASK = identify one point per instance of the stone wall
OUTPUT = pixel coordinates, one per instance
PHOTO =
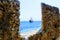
(50, 24)
(9, 19)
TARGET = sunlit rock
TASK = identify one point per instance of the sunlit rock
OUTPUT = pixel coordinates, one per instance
(50, 24)
(9, 20)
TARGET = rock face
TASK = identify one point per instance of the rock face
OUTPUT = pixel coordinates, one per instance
(50, 24)
(50, 21)
(9, 19)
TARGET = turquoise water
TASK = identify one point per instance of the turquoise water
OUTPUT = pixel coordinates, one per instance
(27, 26)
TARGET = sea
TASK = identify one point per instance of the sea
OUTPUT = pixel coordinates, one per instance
(26, 26)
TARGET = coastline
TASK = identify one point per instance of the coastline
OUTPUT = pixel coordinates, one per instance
(29, 33)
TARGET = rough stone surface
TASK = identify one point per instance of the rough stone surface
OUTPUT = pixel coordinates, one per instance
(9, 20)
(50, 24)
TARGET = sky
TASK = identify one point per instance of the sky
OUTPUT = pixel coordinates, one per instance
(32, 8)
